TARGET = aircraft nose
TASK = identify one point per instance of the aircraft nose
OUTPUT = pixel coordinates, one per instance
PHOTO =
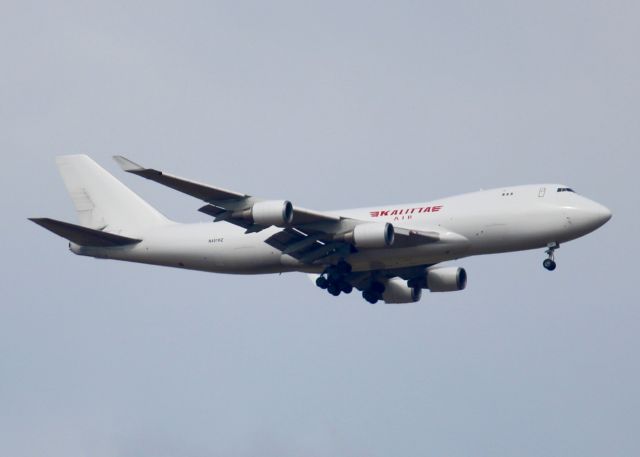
(589, 215)
(600, 214)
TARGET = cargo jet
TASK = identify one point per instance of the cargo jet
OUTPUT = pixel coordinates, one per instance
(389, 252)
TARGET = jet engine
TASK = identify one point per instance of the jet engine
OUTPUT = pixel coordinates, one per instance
(271, 212)
(375, 235)
(446, 279)
(397, 291)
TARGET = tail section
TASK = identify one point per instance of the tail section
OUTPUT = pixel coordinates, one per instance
(102, 202)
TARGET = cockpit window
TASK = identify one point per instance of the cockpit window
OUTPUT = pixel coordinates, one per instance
(565, 189)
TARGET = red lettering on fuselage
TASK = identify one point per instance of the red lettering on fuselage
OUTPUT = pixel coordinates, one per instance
(405, 211)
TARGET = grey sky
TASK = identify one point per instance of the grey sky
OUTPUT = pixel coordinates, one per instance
(328, 104)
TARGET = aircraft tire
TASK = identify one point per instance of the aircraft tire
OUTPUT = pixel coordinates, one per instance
(322, 282)
(346, 287)
(370, 296)
(333, 289)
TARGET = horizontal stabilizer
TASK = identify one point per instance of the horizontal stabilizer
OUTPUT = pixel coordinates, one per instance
(82, 235)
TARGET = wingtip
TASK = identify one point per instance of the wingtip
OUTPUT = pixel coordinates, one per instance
(126, 164)
(41, 221)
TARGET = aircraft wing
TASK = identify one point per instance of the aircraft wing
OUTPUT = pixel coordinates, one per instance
(222, 203)
(308, 235)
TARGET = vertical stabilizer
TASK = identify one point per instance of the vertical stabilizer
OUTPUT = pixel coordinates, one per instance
(101, 201)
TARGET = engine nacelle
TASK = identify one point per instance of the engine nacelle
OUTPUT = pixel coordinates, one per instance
(272, 212)
(375, 235)
(397, 291)
(446, 279)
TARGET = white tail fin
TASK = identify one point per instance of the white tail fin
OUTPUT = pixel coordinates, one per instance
(103, 202)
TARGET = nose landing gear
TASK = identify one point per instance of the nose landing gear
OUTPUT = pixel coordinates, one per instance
(549, 263)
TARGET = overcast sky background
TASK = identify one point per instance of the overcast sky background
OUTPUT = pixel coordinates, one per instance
(330, 105)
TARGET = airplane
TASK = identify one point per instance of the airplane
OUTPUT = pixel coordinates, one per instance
(388, 252)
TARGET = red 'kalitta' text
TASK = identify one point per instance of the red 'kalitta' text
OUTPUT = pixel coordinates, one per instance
(406, 211)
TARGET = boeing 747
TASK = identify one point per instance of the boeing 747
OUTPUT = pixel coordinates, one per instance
(389, 252)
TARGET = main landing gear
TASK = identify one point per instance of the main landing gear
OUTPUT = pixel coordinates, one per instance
(335, 280)
(549, 263)
(374, 292)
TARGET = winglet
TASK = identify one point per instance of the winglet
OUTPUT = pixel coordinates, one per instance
(127, 165)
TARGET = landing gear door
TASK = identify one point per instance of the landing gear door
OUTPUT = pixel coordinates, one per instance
(542, 191)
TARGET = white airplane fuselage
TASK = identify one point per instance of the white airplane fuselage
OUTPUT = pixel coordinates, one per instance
(485, 222)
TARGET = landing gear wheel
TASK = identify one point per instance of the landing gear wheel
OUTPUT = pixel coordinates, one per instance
(371, 296)
(549, 264)
(333, 289)
(322, 282)
(345, 287)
